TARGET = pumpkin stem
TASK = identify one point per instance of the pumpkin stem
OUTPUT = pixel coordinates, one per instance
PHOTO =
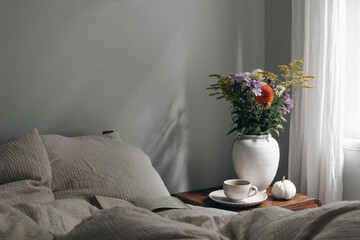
(283, 179)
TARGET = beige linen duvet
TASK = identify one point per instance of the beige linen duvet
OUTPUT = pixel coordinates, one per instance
(76, 219)
(36, 170)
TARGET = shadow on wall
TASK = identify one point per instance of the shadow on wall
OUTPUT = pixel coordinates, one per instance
(158, 108)
(168, 147)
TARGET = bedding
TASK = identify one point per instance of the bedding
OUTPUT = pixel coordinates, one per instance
(59, 216)
(76, 169)
(100, 165)
(339, 220)
(25, 172)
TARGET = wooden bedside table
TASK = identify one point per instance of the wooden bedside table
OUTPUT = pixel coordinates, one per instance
(201, 198)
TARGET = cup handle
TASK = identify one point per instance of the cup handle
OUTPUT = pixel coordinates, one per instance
(255, 191)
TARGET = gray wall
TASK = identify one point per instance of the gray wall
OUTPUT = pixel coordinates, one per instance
(278, 52)
(76, 67)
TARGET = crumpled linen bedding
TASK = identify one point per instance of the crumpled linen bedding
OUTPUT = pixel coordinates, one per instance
(68, 219)
(60, 216)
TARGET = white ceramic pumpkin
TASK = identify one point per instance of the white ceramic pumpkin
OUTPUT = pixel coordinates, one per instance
(284, 189)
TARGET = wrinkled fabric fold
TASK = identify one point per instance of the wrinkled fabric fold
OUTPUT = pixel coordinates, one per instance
(316, 125)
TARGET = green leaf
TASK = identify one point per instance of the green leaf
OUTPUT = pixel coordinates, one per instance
(265, 132)
(283, 119)
(243, 130)
(277, 132)
(233, 130)
(215, 75)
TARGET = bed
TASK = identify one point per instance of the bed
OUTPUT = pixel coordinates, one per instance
(48, 184)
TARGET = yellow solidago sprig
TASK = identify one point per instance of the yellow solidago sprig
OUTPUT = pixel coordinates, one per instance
(222, 87)
(294, 74)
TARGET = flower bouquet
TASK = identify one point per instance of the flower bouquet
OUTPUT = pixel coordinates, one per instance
(260, 99)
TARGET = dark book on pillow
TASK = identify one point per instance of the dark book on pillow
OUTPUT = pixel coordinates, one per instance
(152, 203)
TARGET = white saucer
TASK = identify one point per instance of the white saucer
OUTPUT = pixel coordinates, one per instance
(219, 196)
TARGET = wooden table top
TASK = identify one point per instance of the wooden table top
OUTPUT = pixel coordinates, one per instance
(201, 198)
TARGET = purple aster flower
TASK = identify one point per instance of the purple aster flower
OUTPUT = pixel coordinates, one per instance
(255, 87)
(246, 82)
(232, 75)
(236, 76)
(247, 78)
(255, 84)
(289, 103)
(256, 91)
(244, 85)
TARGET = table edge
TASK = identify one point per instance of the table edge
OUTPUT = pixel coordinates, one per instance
(310, 202)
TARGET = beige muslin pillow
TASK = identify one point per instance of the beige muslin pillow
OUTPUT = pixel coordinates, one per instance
(100, 165)
(25, 173)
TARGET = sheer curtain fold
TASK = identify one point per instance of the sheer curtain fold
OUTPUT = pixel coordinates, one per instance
(316, 126)
(352, 114)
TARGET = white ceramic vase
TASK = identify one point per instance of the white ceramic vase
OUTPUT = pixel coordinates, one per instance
(256, 158)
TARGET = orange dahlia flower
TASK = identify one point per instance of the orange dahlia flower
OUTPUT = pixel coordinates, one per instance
(267, 96)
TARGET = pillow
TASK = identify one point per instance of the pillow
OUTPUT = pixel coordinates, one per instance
(100, 165)
(25, 172)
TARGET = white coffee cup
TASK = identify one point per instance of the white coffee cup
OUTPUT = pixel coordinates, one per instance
(238, 189)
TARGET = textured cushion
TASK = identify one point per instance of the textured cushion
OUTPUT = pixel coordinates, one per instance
(25, 173)
(100, 165)
(59, 216)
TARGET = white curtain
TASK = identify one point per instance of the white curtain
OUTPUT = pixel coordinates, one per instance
(316, 152)
(352, 65)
